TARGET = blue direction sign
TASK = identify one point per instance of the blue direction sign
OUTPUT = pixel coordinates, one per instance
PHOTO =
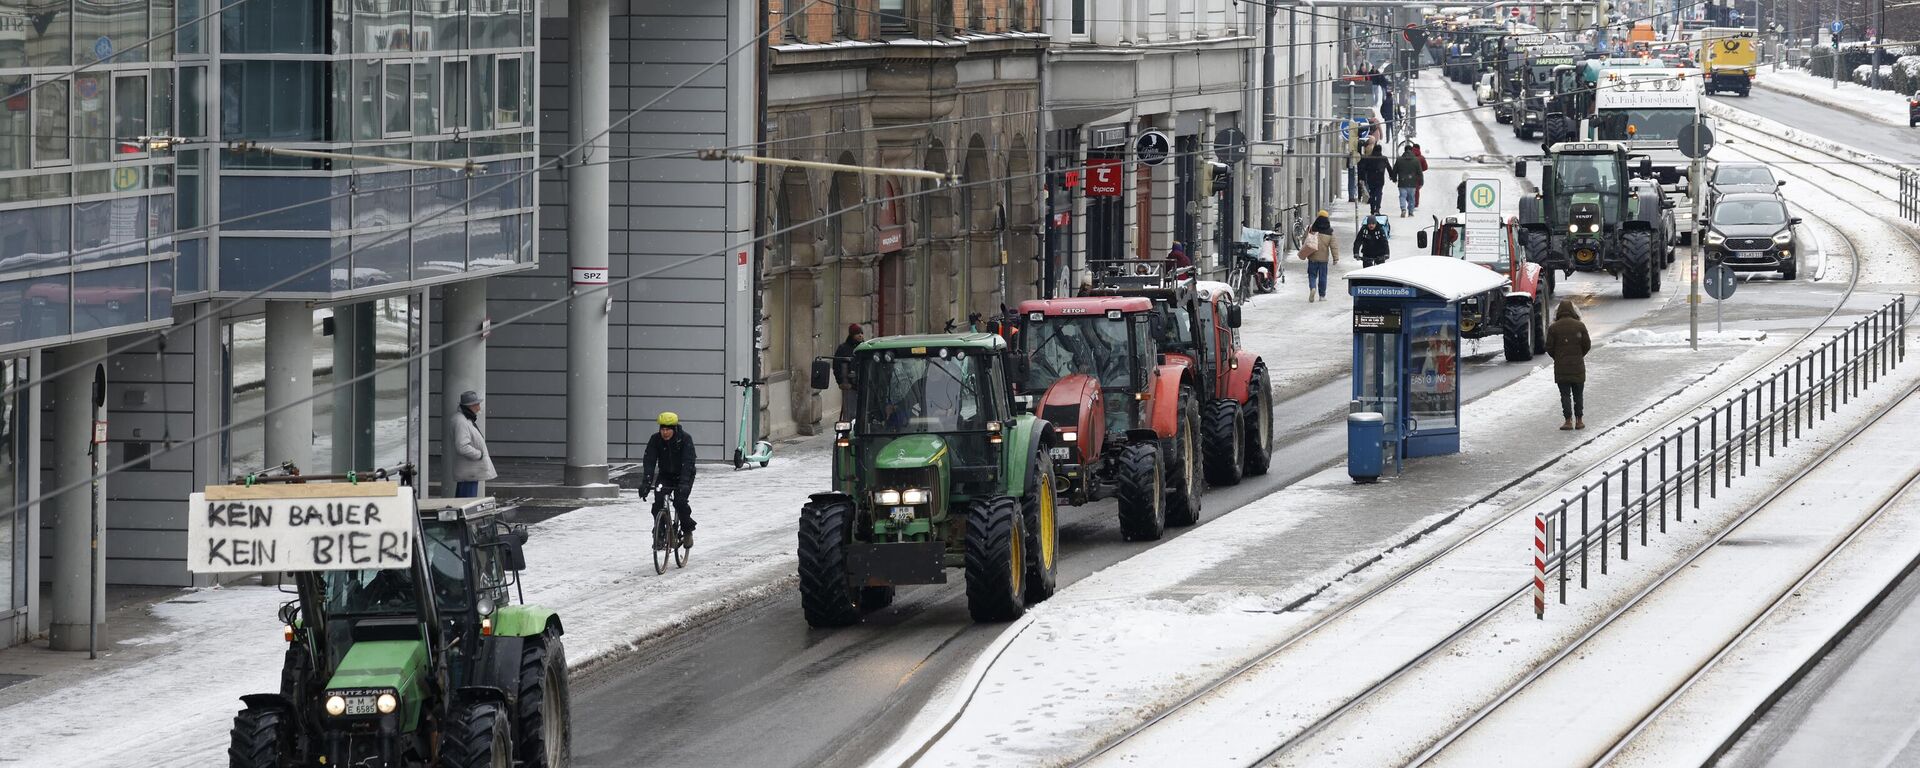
(1836, 27)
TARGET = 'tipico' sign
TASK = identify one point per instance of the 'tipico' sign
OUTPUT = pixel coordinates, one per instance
(318, 527)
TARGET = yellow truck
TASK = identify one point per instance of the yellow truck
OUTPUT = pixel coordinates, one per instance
(1728, 57)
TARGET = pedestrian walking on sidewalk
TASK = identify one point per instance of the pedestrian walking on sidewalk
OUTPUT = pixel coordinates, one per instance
(843, 373)
(1319, 251)
(472, 465)
(1417, 152)
(1374, 168)
(1370, 244)
(1568, 343)
(1410, 174)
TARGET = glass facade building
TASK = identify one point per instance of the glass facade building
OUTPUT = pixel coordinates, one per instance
(418, 79)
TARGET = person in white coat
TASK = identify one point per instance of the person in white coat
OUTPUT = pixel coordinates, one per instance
(472, 465)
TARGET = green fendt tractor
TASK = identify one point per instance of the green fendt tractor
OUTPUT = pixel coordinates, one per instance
(430, 665)
(1590, 216)
(936, 470)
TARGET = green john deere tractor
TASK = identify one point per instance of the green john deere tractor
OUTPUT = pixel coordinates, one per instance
(1590, 216)
(430, 665)
(936, 470)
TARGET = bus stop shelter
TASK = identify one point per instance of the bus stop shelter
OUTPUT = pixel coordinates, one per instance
(1406, 350)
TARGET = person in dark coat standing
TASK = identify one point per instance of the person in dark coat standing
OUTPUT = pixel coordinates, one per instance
(843, 373)
(1374, 169)
(1409, 173)
(670, 451)
(1371, 243)
(1568, 344)
(472, 463)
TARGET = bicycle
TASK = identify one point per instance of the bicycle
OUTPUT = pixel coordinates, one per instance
(667, 541)
(762, 449)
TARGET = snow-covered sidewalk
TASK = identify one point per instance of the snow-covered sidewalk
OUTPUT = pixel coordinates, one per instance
(174, 704)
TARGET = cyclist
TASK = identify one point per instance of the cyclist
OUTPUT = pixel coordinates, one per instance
(672, 451)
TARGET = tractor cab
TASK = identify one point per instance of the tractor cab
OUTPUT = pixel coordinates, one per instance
(933, 405)
(1590, 215)
(1102, 345)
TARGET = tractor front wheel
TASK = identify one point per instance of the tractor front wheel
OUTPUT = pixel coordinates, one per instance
(1518, 331)
(996, 560)
(1636, 275)
(478, 736)
(1183, 472)
(825, 596)
(1260, 432)
(1221, 442)
(1039, 512)
(262, 738)
(1141, 492)
(544, 707)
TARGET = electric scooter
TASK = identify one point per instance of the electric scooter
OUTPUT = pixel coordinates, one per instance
(762, 449)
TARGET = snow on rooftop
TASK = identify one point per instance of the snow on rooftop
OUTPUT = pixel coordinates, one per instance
(1448, 278)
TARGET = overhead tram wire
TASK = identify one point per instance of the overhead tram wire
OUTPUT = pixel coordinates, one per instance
(575, 294)
(385, 237)
(535, 310)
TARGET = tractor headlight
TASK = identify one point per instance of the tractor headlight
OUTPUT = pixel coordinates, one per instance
(1593, 228)
(1715, 238)
(1783, 237)
(1573, 229)
(387, 703)
(887, 498)
(913, 496)
(336, 705)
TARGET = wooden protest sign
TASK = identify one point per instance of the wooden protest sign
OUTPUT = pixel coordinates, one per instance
(311, 527)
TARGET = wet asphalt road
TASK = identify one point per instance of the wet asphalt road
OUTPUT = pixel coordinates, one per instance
(1890, 141)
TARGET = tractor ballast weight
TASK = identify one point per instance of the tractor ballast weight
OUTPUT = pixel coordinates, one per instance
(937, 469)
(1589, 216)
(431, 665)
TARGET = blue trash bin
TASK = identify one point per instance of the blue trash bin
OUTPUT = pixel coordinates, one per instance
(1365, 457)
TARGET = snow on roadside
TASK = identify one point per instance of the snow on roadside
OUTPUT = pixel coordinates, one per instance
(591, 565)
(1642, 337)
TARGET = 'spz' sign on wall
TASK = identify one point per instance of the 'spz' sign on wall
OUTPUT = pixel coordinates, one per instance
(319, 527)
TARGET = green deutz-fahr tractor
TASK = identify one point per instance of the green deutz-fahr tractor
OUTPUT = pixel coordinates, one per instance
(936, 470)
(430, 665)
(1590, 216)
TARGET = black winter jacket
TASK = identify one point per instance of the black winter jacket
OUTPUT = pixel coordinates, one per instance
(1373, 170)
(673, 457)
(1371, 243)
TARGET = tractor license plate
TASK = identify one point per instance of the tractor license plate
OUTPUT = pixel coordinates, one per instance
(1062, 452)
(360, 705)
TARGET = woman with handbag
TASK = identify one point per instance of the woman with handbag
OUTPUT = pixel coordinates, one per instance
(1319, 251)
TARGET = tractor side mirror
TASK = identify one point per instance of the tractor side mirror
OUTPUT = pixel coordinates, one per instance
(1520, 168)
(822, 372)
(1022, 404)
(1017, 367)
(1420, 239)
(1233, 315)
(512, 549)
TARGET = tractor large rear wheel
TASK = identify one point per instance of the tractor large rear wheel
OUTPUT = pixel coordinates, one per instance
(1184, 471)
(262, 737)
(996, 560)
(1636, 272)
(544, 707)
(1039, 512)
(478, 736)
(1140, 488)
(826, 597)
(1221, 441)
(1257, 413)
(1517, 331)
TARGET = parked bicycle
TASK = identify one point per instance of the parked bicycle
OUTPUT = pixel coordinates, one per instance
(762, 450)
(669, 544)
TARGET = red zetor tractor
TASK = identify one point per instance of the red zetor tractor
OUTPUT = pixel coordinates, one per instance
(1198, 327)
(1090, 370)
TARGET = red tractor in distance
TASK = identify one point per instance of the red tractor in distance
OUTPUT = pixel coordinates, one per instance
(1198, 327)
(1089, 369)
(1518, 312)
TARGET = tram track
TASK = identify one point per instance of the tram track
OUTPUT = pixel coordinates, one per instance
(1348, 605)
(1766, 505)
